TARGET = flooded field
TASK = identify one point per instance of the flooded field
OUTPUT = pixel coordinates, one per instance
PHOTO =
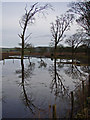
(31, 91)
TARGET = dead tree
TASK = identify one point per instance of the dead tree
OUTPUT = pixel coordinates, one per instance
(29, 18)
(58, 28)
(75, 41)
(82, 11)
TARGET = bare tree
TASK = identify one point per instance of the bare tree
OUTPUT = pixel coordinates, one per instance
(82, 9)
(29, 18)
(75, 41)
(58, 28)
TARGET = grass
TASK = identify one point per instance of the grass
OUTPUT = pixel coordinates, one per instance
(82, 103)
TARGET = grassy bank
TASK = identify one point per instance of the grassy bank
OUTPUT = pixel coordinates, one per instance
(82, 102)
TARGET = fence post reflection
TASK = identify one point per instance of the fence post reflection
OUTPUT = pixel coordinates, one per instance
(72, 105)
(54, 111)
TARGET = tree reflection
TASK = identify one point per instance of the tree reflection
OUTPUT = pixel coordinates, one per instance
(77, 72)
(28, 101)
(57, 85)
(85, 69)
(42, 63)
(26, 73)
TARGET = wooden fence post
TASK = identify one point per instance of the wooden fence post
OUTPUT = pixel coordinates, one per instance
(50, 115)
(89, 86)
(72, 104)
(54, 111)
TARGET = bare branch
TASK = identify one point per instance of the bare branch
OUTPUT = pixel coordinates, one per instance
(20, 35)
(29, 18)
(26, 9)
(20, 24)
(61, 24)
(82, 9)
(76, 40)
(27, 36)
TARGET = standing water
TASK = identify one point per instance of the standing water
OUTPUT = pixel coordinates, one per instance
(32, 91)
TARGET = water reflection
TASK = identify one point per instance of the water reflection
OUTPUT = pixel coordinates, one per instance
(85, 68)
(74, 72)
(42, 63)
(77, 73)
(27, 99)
(36, 85)
(57, 84)
(25, 73)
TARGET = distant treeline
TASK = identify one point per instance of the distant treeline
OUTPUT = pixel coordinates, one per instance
(60, 49)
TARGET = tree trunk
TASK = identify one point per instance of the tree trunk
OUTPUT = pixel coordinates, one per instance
(89, 86)
(72, 53)
(22, 55)
(22, 64)
(55, 50)
(55, 60)
(55, 68)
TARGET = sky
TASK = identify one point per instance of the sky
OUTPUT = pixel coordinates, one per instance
(41, 35)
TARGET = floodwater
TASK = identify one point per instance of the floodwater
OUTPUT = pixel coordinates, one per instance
(31, 92)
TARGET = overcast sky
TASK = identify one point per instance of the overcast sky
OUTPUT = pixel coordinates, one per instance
(41, 35)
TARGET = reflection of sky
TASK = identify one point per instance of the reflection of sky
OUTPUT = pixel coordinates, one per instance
(37, 87)
(11, 14)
